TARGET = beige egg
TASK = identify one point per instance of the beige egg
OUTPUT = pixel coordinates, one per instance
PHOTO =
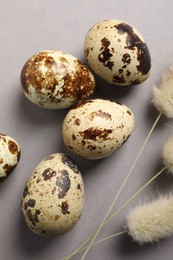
(117, 53)
(9, 155)
(97, 128)
(54, 79)
(53, 196)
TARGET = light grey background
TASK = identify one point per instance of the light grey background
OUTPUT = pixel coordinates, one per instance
(30, 26)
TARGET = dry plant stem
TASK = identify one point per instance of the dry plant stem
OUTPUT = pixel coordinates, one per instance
(134, 196)
(109, 237)
(100, 241)
(120, 209)
(79, 249)
(104, 239)
(122, 186)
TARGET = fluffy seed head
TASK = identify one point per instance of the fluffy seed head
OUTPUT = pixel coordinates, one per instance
(152, 221)
(163, 94)
(167, 154)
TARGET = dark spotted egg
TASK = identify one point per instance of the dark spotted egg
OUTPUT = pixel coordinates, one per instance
(9, 155)
(97, 128)
(117, 52)
(53, 196)
(54, 79)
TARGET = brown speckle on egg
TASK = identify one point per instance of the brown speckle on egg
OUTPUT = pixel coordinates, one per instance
(1, 161)
(79, 186)
(77, 121)
(128, 112)
(70, 163)
(87, 51)
(13, 148)
(125, 138)
(33, 218)
(73, 137)
(53, 190)
(120, 71)
(48, 174)
(25, 206)
(63, 182)
(126, 58)
(91, 147)
(49, 158)
(37, 212)
(105, 54)
(38, 180)
(83, 103)
(31, 203)
(65, 207)
(100, 113)
(26, 191)
(2, 135)
(94, 134)
(118, 79)
(57, 217)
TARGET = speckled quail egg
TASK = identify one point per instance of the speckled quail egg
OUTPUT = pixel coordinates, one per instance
(54, 79)
(96, 128)
(117, 53)
(53, 196)
(9, 155)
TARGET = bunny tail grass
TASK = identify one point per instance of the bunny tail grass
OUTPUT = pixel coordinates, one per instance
(152, 221)
(162, 94)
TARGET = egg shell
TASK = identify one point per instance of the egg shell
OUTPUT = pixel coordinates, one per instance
(54, 79)
(117, 53)
(53, 196)
(97, 128)
(9, 155)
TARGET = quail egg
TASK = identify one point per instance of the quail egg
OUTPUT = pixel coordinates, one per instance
(117, 53)
(96, 128)
(53, 196)
(9, 155)
(54, 79)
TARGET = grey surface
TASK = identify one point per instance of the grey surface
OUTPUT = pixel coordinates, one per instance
(30, 26)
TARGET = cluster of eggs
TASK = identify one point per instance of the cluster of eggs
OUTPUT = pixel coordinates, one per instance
(93, 128)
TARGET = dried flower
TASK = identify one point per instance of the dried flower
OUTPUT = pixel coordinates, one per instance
(167, 154)
(152, 221)
(163, 95)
